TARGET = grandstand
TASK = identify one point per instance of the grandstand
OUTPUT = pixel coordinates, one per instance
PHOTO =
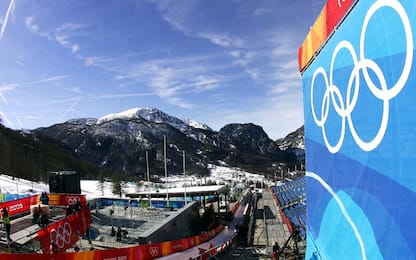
(291, 200)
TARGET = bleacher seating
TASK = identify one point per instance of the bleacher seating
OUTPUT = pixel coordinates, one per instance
(291, 198)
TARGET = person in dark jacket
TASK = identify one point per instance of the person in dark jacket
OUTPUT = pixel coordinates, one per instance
(44, 198)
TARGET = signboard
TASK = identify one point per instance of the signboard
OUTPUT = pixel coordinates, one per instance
(360, 121)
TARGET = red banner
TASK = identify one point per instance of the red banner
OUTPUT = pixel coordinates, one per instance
(19, 206)
(56, 199)
(64, 233)
(66, 228)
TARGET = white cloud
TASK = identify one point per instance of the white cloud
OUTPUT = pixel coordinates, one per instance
(75, 48)
(278, 115)
(89, 61)
(221, 39)
(180, 16)
(171, 78)
(235, 53)
(253, 73)
(75, 90)
(61, 35)
(262, 11)
(245, 58)
(34, 28)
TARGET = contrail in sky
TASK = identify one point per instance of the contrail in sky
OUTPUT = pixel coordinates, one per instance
(6, 19)
(70, 108)
(3, 98)
(18, 120)
(5, 118)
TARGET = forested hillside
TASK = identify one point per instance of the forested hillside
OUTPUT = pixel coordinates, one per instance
(24, 156)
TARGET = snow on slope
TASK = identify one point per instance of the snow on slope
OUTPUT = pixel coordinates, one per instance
(219, 175)
(154, 115)
(128, 114)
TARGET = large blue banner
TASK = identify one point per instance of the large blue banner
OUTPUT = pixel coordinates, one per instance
(360, 132)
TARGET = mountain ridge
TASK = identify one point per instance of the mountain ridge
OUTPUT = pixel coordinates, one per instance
(119, 141)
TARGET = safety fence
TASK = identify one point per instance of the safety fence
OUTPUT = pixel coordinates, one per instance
(23, 205)
(61, 234)
(148, 251)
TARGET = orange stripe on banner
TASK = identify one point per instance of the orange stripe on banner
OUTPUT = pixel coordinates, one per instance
(330, 17)
(166, 248)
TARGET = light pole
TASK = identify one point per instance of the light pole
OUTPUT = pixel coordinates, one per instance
(184, 173)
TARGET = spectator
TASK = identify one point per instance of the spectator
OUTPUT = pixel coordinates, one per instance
(52, 247)
(44, 198)
(119, 234)
(6, 220)
(113, 232)
(69, 210)
(88, 234)
(43, 219)
(77, 206)
(276, 247)
(36, 214)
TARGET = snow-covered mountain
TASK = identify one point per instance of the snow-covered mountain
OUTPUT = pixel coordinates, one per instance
(119, 141)
(153, 115)
(294, 143)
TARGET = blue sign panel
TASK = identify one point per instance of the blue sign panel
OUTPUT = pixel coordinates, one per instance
(360, 132)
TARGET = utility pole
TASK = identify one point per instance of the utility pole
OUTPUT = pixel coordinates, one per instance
(166, 173)
(184, 173)
(148, 178)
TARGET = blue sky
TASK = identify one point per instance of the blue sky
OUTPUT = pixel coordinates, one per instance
(213, 61)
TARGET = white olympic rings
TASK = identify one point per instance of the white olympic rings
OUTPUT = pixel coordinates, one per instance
(385, 93)
(62, 235)
(71, 199)
(154, 251)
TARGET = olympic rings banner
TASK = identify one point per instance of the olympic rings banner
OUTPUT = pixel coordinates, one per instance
(360, 121)
(57, 199)
(65, 232)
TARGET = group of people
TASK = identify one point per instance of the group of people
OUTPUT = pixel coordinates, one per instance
(40, 216)
(119, 234)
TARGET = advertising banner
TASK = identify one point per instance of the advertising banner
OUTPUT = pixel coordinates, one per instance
(57, 199)
(360, 116)
(19, 206)
(64, 233)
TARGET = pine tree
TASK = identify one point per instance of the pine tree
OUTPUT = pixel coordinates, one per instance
(117, 188)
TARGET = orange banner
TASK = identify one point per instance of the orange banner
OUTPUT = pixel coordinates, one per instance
(330, 17)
